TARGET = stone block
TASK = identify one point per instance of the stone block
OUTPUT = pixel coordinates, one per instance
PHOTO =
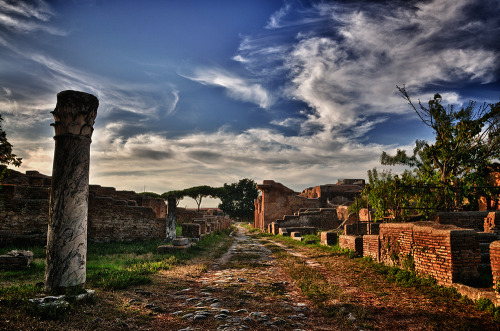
(168, 249)
(284, 232)
(15, 260)
(354, 243)
(328, 238)
(180, 241)
(191, 230)
(203, 225)
(295, 234)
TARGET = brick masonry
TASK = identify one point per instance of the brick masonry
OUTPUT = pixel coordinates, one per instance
(466, 220)
(352, 242)
(495, 265)
(113, 215)
(446, 252)
(371, 247)
(328, 238)
(191, 230)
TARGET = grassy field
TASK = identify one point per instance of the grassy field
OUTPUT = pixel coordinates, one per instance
(110, 267)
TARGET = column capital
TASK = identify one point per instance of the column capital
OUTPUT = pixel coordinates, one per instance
(75, 113)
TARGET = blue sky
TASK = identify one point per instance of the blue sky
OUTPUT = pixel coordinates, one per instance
(209, 92)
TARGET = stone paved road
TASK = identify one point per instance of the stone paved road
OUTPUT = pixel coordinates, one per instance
(245, 289)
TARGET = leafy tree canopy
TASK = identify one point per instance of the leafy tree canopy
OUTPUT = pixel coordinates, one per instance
(200, 192)
(6, 155)
(447, 173)
(150, 194)
(237, 199)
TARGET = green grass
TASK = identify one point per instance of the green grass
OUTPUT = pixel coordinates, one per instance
(115, 265)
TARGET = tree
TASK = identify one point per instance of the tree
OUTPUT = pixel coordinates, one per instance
(150, 194)
(237, 199)
(6, 155)
(178, 194)
(467, 142)
(200, 192)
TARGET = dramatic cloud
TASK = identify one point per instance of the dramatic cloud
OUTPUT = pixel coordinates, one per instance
(237, 87)
(351, 71)
(325, 73)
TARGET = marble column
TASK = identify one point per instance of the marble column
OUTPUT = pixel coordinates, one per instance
(74, 116)
(171, 207)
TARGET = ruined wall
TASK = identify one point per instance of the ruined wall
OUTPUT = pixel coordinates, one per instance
(331, 192)
(183, 215)
(322, 219)
(446, 252)
(352, 242)
(467, 220)
(111, 219)
(489, 203)
(492, 223)
(276, 201)
(122, 215)
(24, 214)
(495, 265)
(371, 246)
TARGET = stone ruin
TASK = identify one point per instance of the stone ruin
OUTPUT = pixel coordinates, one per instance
(452, 248)
(112, 214)
(323, 207)
(195, 231)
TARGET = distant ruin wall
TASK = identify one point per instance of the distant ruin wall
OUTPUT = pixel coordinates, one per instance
(183, 215)
(123, 215)
(111, 219)
(322, 219)
(276, 201)
(24, 214)
(467, 220)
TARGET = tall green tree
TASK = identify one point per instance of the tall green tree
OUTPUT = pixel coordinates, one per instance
(467, 141)
(6, 155)
(200, 192)
(237, 199)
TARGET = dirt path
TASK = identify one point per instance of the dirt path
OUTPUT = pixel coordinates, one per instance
(245, 289)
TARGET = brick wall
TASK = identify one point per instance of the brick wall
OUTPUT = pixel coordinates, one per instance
(24, 214)
(495, 265)
(395, 242)
(110, 219)
(277, 201)
(446, 252)
(466, 220)
(24, 209)
(490, 223)
(354, 243)
(371, 247)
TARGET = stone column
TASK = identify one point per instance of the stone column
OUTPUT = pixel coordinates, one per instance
(170, 231)
(68, 208)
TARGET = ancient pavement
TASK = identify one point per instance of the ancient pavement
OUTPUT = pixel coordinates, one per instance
(250, 288)
(245, 289)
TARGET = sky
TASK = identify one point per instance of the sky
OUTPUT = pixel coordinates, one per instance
(199, 92)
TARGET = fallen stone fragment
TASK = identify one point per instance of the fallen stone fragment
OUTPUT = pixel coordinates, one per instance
(15, 260)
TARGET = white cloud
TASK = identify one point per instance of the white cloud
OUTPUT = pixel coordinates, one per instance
(237, 88)
(347, 78)
(23, 17)
(275, 19)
